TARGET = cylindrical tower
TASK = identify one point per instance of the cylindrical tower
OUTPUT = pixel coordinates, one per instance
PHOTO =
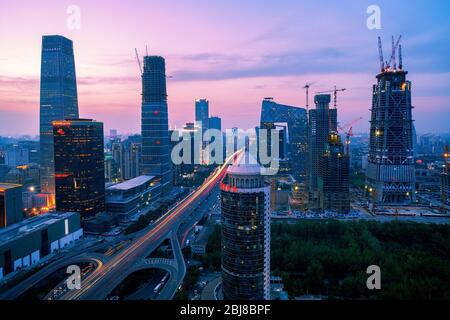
(245, 205)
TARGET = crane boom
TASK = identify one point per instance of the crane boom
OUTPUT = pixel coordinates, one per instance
(394, 49)
(380, 53)
(138, 60)
(334, 91)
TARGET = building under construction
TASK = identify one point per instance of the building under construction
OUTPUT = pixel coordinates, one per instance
(333, 181)
(445, 181)
(390, 170)
(322, 121)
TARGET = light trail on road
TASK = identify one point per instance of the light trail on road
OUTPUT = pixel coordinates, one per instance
(119, 264)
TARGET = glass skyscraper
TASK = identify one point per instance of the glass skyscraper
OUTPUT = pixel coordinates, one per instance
(202, 114)
(390, 173)
(245, 205)
(79, 166)
(155, 122)
(58, 99)
(296, 146)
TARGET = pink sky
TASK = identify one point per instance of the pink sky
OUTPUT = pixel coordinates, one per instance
(231, 53)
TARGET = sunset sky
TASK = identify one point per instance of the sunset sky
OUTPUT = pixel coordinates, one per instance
(233, 53)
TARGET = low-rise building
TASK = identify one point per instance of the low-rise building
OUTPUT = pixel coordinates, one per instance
(11, 209)
(129, 197)
(27, 242)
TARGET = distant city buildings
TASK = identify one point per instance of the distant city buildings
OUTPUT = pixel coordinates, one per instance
(215, 123)
(390, 168)
(155, 127)
(127, 156)
(16, 156)
(245, 203)
(79, 166)
(202, 114)
(58, 99)
(11, 207)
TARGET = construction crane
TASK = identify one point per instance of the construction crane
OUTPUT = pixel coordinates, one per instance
(335, 91)
(306, 87)
(138, 60)
(348, 133)
(391, 63)
(380, 52)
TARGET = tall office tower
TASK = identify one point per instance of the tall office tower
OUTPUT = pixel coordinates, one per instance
(333, 183)
(390, 172)
(322, 121)
(245, 203)
(79, 166)
(297, 137)
(202, 114)
(11, 205)
(58, 99)
(155, 123)
(215, 123)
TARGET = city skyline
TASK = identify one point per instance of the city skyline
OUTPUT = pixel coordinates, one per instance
(267, 57)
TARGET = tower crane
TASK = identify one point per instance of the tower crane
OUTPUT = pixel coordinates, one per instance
(335, 91)
(348, 133)
(138, 60)
(306, 87)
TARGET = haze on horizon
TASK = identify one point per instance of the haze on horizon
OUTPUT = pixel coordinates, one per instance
(233, 53)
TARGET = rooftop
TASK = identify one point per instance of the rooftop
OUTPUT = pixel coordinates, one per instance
(31, 224)
(245, 165)
(5, 186)
(132, 183)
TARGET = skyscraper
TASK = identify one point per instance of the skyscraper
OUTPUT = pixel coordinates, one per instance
(202, 114)
(79, 166)
(390, 172)
(215, 123)
(245, 203)
(58, 99)
(155, 123)
(296, 144)
(333, 183)
(322, 121)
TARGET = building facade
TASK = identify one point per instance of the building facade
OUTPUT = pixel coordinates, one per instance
(155, 123)
(390, 175)
(11, 205)
(58, 100)
(333, 180)
(322, 121)
(27, 242)
(79, 166)
(245, 204)
(295, 134)
(127, 198)
(202, 114)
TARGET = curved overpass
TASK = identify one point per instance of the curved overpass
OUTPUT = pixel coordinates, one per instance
(99, 283)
